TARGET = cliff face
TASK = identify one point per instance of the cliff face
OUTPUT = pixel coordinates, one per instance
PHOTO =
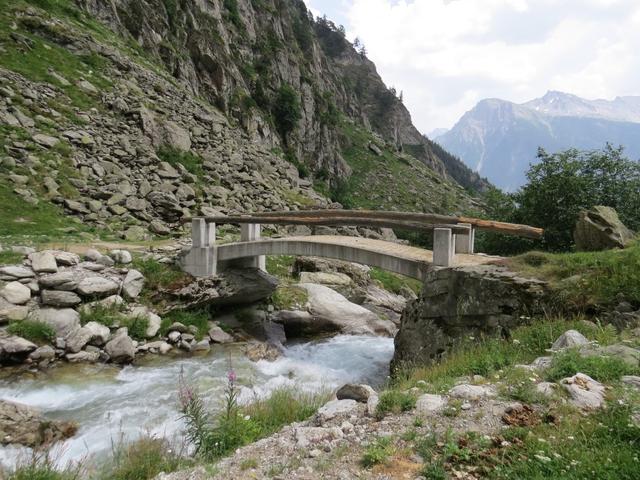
(241, 55)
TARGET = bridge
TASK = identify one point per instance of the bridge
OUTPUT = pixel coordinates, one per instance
(453, 240)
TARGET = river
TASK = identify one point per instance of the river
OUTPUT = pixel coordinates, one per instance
(112, 404)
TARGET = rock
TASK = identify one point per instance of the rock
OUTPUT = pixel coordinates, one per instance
(23, 425)
(632, 380)
(547, 389)
(22, 249)
(83, 357)
(325, 278)
(45, 140)
(333, 312)
(43, 262)
(334, 409)
(462, 302)
(174, 337)
(159, 228)
(256, 351)
(629, 355)
(11, 312)
(569, 339)
(92, 333)
(63, 321)
(87, 87)
(309, 436)
(178, 327)
(121, 349)
(541, 363)
(177, 137)
(92, 255)
(43, 354)
(600, 228)
(132, 284)
(106, 260)
(585, 392)
(217, 335)
(154, 321)
(65, 281)
(16, 293)
(135, 233)
(202, 346)
(359, 393)
(59, 298)
(13, 272)
(14, 349)
(97, 287)
(121, 256)
(428, 404)
(471, 392)
(66, 259)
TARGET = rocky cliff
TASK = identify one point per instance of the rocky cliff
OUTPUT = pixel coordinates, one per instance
(133, 114)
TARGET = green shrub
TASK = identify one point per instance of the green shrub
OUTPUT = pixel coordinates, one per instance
(394, 282)
(196, 318)
(395, 401)
(137, 327)
(33, 330)
(144, 459)
(286, 110)
(377, 452)
(107, 315)
(603, 369)
(175, 157)
(159, 275)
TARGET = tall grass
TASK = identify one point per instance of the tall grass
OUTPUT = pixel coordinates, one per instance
(32, 330)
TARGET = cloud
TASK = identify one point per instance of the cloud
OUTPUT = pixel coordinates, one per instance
(445, 55)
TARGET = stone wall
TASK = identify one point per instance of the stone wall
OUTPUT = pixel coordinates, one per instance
(462, 302)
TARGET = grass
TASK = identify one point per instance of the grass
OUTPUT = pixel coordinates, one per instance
(175, 157)
(487, 356)
(144, 460)
(197, 318)
(41, 466)
(289, 298)
(137, 327)
(280, 266)
(32, 330)
(159, 275)
(107, 315)
(519, 384)
(8, 257)
(395, 401)
(377, 452)
(598, 277)
(395, 283)
(603, 369)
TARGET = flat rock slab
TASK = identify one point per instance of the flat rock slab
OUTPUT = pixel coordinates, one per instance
(64, 321)
(16, 293)
(585, 392)
(471, 392)
(428, 404)
(43, 262)
(97, 286)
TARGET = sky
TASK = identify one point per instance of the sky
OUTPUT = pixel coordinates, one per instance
(446, 55)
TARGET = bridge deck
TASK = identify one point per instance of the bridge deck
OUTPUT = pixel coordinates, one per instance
(404, 259)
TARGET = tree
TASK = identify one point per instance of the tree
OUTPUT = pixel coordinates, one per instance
(286, 110)
(563, 183)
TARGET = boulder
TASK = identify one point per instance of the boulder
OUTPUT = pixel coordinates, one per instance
(631, 380)
(16, 293)
(63, 321)
(14, 349)
(325, 278)
(217, 335)
(460, 302)
(569, 339)
(154, 321)
(14, 272)
(65, 281)
(65, 259)
(334, 409)
(83, 357)
(92, 333)
(43, 262)
(121, 256)
(10, 312)
(585, 392)
(24, 425)
(429, 404)
(629, 355)
(132, 284)
(175, 136)
(43, 354)
(256, 351)
(59, 298)
(121, 349)
(472, 392)
(202, 346)
(97, 287)
(333, 312)
(359, 393)
(309, 436)
(600, 228)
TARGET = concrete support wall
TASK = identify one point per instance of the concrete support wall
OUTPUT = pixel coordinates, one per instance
(465, 241)
(201, 260)
(443, 247)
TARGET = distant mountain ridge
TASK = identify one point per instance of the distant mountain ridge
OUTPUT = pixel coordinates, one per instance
(499, 139)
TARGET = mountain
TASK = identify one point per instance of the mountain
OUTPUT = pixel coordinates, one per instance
(499, 139)
(137, 113)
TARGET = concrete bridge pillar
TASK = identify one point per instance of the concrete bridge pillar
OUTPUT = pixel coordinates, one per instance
(443, 247)
(465, 241)
(250, 232)
(201, 260)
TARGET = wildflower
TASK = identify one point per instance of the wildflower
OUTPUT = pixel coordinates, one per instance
(231, 376)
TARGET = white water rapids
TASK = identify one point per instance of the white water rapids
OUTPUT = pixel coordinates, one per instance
(110, 404)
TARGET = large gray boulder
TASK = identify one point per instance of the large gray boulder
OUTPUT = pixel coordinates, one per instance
(600, 228)
(584, 391)
(24, 425)
(65, 281)
(570, 339)
(59, 298)
(43, 262)
(92, 333)
(121, 349)
(10, 312)
(14, 349)
(97, 287)
(462, 302)
(132, 284)
(64, 321)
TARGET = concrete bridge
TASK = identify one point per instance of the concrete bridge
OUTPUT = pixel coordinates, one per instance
(453, 240)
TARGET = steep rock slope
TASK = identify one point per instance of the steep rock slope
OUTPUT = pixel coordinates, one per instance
(499, 139)
(132, 115)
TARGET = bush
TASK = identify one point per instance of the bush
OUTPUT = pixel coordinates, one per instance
(107, 315)
(137, 327)
(286, 110)
(395, 401)
(602, 369)
(33, 330)
(159, 275)
(377, 452)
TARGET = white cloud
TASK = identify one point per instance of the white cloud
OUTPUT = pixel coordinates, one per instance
(448, 54)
